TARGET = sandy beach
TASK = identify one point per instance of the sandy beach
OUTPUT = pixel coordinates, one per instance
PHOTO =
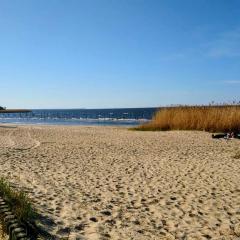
(2, 235)
(112, 183)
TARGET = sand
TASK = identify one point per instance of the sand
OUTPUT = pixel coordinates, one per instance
(112, 183)
(2, 235)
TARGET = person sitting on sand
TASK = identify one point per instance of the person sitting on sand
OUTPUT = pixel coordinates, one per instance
(230, 135)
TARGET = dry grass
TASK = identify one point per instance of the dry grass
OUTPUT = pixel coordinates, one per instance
(204, 118)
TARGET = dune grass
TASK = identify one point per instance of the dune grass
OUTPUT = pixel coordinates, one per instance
(203, 118)
(17, 200)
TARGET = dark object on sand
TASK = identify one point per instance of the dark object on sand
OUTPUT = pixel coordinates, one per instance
(219, 135)
(229, 135)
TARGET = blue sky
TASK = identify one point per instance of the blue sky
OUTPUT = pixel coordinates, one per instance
(118, 53)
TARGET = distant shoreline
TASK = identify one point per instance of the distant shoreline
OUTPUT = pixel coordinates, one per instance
(15, 111)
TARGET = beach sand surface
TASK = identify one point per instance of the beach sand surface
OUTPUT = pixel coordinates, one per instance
(2, 235)
(112, 183)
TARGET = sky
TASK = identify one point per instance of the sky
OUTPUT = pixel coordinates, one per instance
(118, 53)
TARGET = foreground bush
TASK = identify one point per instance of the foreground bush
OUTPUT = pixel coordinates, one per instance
(206, 118)
(18, 201)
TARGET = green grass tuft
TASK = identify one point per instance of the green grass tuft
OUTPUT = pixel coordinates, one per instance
(17, 200)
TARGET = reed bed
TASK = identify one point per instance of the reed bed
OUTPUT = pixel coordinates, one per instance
(203, 118)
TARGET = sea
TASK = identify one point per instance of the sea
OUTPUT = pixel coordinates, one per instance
(106, 117)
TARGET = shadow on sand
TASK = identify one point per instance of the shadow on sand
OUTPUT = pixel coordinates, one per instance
(37, 228)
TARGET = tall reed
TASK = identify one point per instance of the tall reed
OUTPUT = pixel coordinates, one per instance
(206, 118)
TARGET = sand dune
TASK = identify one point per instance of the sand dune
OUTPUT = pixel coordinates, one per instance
(111, 183)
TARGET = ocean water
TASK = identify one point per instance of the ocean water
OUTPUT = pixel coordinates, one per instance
(108, 117)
